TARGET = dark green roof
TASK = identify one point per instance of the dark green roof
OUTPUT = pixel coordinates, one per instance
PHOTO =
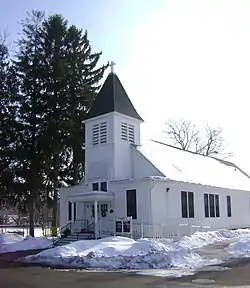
(112, 98)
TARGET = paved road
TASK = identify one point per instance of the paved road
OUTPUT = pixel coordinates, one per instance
(16, 276)
(237, 276)
(37, 277)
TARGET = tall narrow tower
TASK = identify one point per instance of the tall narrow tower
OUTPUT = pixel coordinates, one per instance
(111, 126)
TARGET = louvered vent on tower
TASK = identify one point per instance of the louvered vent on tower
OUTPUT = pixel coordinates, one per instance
(99, 133)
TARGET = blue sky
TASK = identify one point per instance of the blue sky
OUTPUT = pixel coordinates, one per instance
(109, 22)
(176, 58)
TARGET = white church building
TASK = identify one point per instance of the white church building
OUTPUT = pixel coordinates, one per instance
(163, 189)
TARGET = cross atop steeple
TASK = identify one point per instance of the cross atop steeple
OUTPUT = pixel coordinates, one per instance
(112, 64)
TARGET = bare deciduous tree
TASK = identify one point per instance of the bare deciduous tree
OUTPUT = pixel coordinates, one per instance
(187, 136)
(183, 133)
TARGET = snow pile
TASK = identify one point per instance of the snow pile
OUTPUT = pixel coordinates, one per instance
(241, 248)
(10, 242)
(117, 253)
(9, 238)
(200, 239)
(125, 253)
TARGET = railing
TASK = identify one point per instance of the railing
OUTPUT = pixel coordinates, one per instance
(165, 231)
(176, 231)
(62, 232)
(106, 227)
(91, 230)
(172, 230)
(88, 230)
(80, 225)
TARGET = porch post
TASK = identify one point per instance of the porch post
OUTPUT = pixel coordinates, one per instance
(96, 219)
(72, 211)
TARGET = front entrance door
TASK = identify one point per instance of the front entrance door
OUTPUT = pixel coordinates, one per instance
(84, 217)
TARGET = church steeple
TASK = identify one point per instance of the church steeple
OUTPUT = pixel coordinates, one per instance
(111, 127)
(112, 98)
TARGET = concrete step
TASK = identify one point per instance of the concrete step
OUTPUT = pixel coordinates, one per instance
(62, 243)
(80, 236)
(74, 238)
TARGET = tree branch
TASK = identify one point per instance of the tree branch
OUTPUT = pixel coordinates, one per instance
(186, 136)
(183, 133)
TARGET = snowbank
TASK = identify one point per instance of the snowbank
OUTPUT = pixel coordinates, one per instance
(9, 238)
(241, 248)
(200, 239)
(115, 253)
(10, 242)
(125, 253)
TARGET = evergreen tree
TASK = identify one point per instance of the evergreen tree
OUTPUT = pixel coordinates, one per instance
(83, 80)
(71, 81)
(44, 99)
(54, 33)
(8, 113)
(30, 153)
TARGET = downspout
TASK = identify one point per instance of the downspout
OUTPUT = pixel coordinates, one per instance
(132, 161)
(150, 199)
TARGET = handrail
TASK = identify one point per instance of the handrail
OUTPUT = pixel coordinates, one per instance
(60, 230)
(65, 226)
(91, 224)
(90, 232)
(68, 225)
(88, 226)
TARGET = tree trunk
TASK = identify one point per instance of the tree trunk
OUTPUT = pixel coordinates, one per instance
(55, 201)
(54, 214)
(75, 168)
(31, 215)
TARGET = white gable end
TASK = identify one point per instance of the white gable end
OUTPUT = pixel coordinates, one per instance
(179, 165)
(142, 167)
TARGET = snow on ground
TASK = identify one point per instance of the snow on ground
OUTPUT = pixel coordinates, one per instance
(200, 239)
(125, 253)
(11, 242)
(38, 231)
(240, 249)
(9, 238)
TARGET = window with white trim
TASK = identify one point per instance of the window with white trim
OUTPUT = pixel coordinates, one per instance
(187, 204)
(211, 205)
(127, 132)
(99, 133)
(95, 186)
(229, 206)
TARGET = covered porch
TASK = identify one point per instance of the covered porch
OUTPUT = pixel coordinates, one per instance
(91, 211)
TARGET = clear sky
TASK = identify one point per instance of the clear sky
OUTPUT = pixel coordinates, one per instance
(176, 58)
